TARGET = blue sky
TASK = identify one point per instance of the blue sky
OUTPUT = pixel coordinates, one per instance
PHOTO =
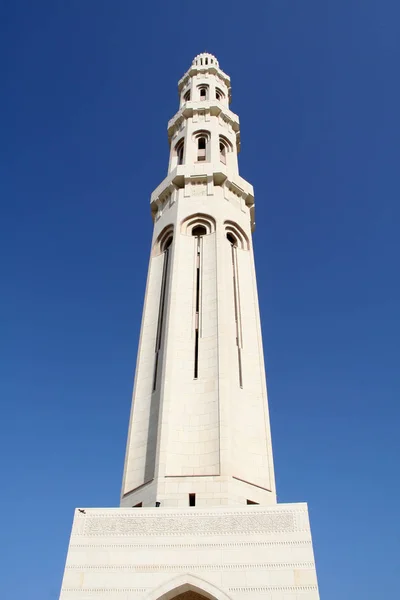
(87, 90)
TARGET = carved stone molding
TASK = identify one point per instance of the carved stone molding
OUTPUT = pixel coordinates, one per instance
(276, 588)
(196, 567)
(294, 544)
(189, 524)
(105, 590)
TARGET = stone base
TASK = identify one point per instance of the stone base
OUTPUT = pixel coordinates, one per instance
(220, 553)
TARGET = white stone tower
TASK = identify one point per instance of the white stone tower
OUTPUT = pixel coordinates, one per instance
(198, 514)
(200, 415)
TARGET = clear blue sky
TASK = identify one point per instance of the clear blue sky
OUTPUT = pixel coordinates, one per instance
(87, 88)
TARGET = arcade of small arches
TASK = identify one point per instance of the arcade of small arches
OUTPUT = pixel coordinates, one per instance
(200, 225)
(202, 92)
(202, 141)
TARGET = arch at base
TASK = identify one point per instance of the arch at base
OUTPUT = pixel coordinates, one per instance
(187, 583)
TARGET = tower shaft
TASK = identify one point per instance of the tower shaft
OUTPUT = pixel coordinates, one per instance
(199, 429)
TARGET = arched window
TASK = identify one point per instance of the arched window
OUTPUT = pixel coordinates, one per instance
(198, 225)
(202, 140)
(199, 230)
(203, 92)
(222, 153)
(163, 247)
(167, 243)
(186, 96)
(179, 148)
(231, 238)
(236, 236)
(224, 147)
(219, 94)
(201, 148)
(164, 240)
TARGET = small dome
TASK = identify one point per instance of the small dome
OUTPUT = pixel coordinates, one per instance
(205, 60)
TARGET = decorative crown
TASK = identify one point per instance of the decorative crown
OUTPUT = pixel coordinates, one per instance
(205, 59)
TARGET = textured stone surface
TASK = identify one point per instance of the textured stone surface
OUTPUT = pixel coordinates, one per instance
(208, 434)
(197, 431)
(254, 552)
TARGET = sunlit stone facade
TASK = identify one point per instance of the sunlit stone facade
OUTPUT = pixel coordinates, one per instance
(198, 514)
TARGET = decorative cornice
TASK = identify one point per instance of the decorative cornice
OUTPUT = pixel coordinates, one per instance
(214, 108)
(198, 545)
(195, 567)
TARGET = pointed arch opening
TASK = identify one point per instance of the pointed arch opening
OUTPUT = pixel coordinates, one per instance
(236, 236)
(184, 584)
(189, 224)
(219, 94)
(164, 240)
(179, 150)
(203, 92)
(225, 147)
(202, 139)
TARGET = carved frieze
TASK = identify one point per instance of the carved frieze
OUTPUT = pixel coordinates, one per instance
(189, 524)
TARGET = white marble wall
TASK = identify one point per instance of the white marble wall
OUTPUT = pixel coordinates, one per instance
(151, 554)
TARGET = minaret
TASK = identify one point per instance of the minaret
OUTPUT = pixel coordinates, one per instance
(198, 518)
(199, 430)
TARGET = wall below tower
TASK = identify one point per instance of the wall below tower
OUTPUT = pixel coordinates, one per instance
(223, 554)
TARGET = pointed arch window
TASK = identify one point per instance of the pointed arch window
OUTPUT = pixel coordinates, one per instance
(198, 226)
(201, 139)
(219, 94)
(238, 241)
(224, 147)
(201, 148)
(222, 152)
(179, 149)
(186, 96)
(203, 92)
(163, 246)
(231, 239)
(199, 230)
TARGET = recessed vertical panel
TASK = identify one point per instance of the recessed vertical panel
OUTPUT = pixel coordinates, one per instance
(192, 421)
(141, 447)
(249, 415)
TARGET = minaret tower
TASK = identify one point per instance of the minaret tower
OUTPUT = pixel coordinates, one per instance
(198, 517)
(199, 430)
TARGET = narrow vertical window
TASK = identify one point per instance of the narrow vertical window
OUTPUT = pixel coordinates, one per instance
(161, 310)
(219, 94)
(203, 90)
(222, 152)
(179, 151)
(224, 147)
(236, 299)
(192, 499)
(197, 232)
(201, 148)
